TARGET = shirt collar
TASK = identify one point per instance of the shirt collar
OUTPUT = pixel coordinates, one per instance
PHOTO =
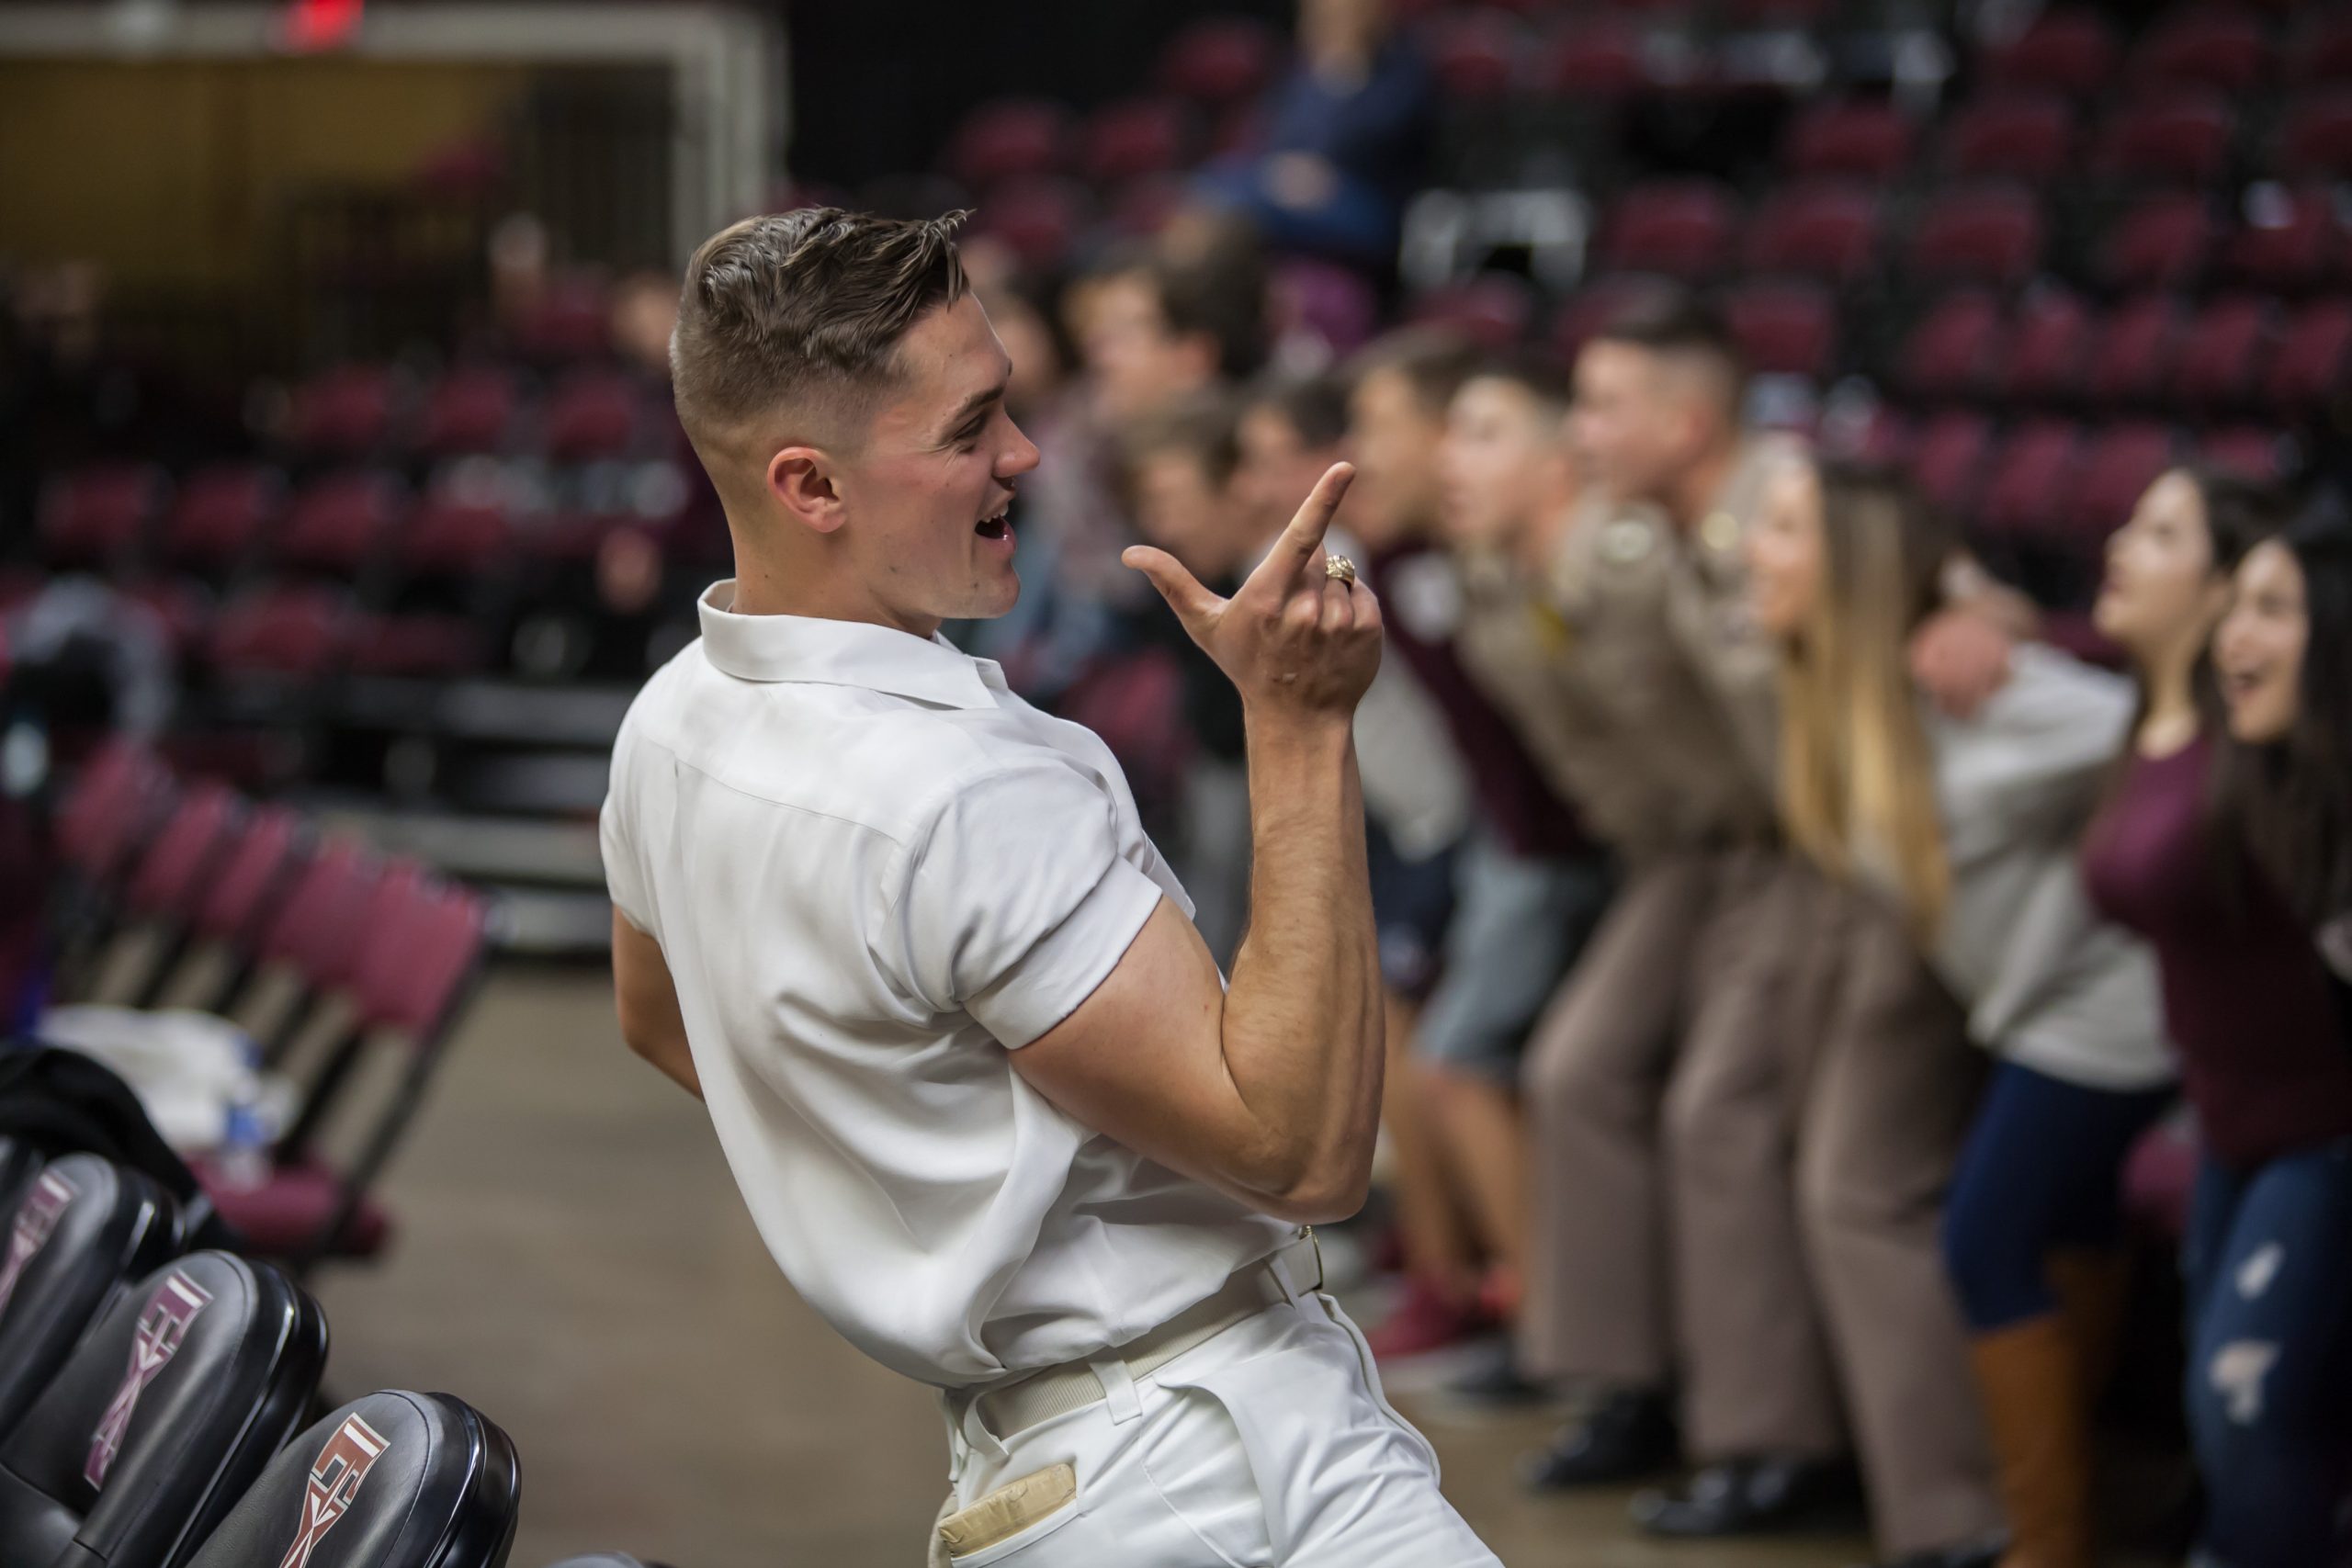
(841, 653)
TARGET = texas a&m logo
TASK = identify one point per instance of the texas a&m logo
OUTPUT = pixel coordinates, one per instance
(336, 1476)
(36, 1217)
(161, 1328)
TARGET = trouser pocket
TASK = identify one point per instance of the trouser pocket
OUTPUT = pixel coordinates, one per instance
(1013, 1518)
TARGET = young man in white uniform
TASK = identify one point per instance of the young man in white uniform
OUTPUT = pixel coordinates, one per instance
(994, 1110)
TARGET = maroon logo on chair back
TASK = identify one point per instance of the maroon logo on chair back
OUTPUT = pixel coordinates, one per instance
(36, 1217)
(161, 1328)
(334, 1481)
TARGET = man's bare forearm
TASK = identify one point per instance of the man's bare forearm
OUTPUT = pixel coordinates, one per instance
(1302, 1024)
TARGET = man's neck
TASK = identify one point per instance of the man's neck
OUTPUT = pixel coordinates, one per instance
(764, 589)
(1692, 497)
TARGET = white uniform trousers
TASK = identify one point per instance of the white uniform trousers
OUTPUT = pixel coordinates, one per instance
(1270, 1444)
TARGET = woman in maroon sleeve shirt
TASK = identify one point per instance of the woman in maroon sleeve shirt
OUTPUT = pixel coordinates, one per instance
(2268, 1256)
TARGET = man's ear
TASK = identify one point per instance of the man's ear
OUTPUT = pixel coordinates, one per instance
(801, 479)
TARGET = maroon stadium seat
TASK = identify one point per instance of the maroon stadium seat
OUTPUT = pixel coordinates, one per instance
(1133, 138)
(1869, 138)
(2118, 465)
(2316, 136)
(1475, 55)
(1677, 228)
(2031, 477)
(2200, 46)
(1946, 459)
(1826, 230)
(1492, 309)
(594, 413)
(336, 522)
(1591, 307)
(321, 922)
(2182, 137)
(176, 868)
(1039, 220)
(416, 646)
(2069, 51)
(115, 803)
(2216, 363)
(2310, 365)
(183, 609)
(573, 321)
(1784, 329)
(282, 631)
(2291, 240)
(2020, 136)
(1949, 352)
(2323, 53)
(343, 412)
(1009, 138)
(1222, 60)
(2249, 449)
(472, 409)
(1596, 57)
(262, 863)
(2135, 350)
(1980, 234)
(99, 515)
(2159, 243)
(222, 512)
(448, 537)
(2049, 346)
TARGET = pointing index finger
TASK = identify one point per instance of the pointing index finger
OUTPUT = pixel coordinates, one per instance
(1303, 538)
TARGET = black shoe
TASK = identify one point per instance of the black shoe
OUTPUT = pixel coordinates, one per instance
(1982, 1553)
(1495, 1382)
(1626, 1436)
(1745, 1497)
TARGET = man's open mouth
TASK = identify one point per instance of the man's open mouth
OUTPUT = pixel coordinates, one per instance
(992, 529)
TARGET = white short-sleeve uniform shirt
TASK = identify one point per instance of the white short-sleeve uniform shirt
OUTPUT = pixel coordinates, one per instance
(875, 873)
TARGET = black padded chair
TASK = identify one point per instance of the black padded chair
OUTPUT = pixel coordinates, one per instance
(83, 1228)
(391, 1481)
(164, 1415)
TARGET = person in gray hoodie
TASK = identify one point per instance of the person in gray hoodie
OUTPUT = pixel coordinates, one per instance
(1967, 828)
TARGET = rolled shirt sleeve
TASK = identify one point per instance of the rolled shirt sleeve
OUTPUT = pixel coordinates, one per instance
(623, 878)
(1016, 903)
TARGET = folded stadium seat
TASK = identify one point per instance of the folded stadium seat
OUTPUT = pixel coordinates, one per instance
(472, 409)
(2290, 239)
(1221, 59)
(2025, 497)
(573, 321)
(81, 1231)
(171, 876)
(1009, 138)
(1989, 234)
(1867, 138)
(1947, 461)
(1040, 219)
(116, 801)
(162, 1417)
(2134, 357)
(222, 513)
(2159, 243)
(1827, 231)
(293, 632)
(2070, 51)
(449, 538)
(2201, 46)
(412, 975)
(1475, 55)
(395, 1480)
(1591, 307)
(2119, 463)
(1492, 309)
(2181, 137)
(593, 413)
(1134, 138)
(2310, 368)
(98, 516)
(336, 523)
(1597, 57)
(255, 877)
(2011, 135)
(2323, 50)
(2049, 348)
(1784, 328)
(1950, 350)
(2253, 450)
(309, 943)
(345, 412)
(2315, 138)
(1680, 229)
(417, 645)
(2214, 369)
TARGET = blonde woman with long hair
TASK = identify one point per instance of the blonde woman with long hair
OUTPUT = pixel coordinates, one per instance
(1965, 828)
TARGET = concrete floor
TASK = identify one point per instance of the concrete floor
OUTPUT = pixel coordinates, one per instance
(573, 1259)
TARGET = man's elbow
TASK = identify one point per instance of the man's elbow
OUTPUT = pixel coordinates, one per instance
(1324, 1194)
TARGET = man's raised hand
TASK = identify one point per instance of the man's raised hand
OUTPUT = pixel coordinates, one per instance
(1292, 639)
